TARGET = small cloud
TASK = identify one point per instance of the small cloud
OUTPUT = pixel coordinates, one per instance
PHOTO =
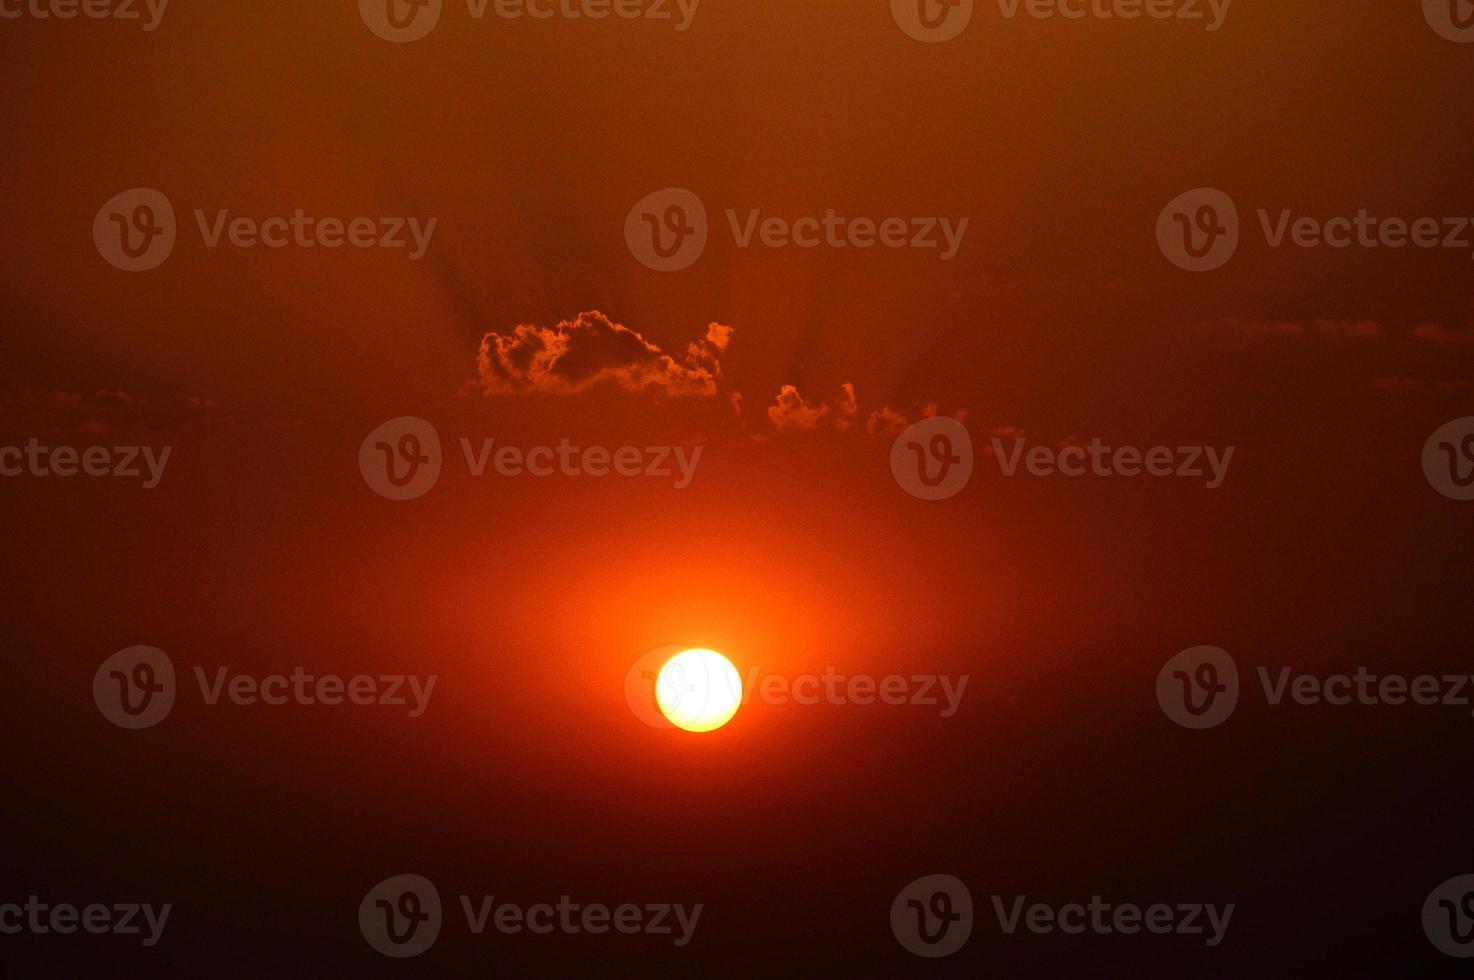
(1348, 328)
(591, 349)
(846, 407)
(1014, 433)
(886, 422)
(719, 336)
(116, 398)
(1441, 336)
(791, 413)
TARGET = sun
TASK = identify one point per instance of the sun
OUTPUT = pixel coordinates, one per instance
(698, 690)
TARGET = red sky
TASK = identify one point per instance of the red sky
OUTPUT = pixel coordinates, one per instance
(793, 549)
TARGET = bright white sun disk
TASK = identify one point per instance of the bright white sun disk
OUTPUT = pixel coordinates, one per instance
(698, 690)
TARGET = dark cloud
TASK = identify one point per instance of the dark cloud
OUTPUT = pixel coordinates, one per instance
(107, 412)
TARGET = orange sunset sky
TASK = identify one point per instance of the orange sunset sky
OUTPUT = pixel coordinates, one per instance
(528, 320)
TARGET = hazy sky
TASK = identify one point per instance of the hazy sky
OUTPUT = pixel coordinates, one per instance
(525, 316)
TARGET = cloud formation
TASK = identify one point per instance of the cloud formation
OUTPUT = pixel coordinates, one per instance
(1441, 336)
(591, 349)
(791, 412)
(107, 412)
(885, 422)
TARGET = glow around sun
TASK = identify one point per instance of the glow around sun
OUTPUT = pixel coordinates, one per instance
(698, 690)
